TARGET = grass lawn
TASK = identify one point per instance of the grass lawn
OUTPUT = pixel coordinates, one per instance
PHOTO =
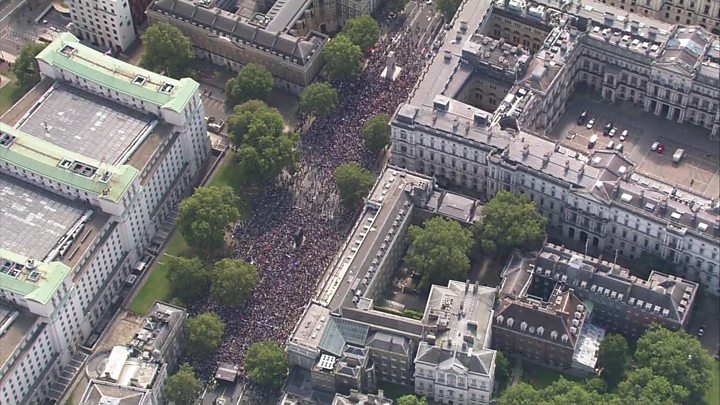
(712, 395)
(394, 391)
(10, 93)
(157, 286)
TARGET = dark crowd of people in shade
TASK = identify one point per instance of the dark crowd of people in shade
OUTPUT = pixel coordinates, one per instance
(291, 237)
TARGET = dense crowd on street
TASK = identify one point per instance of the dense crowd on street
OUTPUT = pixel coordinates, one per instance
(306, 204)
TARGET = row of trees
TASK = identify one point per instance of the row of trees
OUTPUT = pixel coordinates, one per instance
(439, 251)
(229, 281)
(668, 367)
(343, 54)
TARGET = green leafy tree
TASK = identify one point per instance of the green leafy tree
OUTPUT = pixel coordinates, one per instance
(563, 391)
(678, 357)
(26, 67)
(353, 183)
(510, 221)
(395, 6)
(319, 98)
(376, 132)
(167, 50)
(362, 31)
(448, 8)
(614, 357)
(204, 334)
(411, 400)
(439, 251)
(253, 82)
(204, 216)
(343, 59)
(647, 262)
(502, 368)
(520, 394)
(265, 148)
(266, 364)
(642, 387)
(596, 384)
(233, 281)
(183, 387)
(189, 278)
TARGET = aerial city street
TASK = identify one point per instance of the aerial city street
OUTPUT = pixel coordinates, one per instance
(410, 202)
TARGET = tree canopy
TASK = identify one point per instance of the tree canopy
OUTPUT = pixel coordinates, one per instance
(204, 334)
(395, 6)
(319, 98)
(510, 221)
(266, 364)
(411, 400)
(26, 67)
(183, 387)
(253, 82)
(376, 132)
(647, 262)
(448, 8)
(189, 278)
(439, 251)
(614, 357)
(561, 391)
(167, 51)
(676, 356)
(343, 59)
(353, 183)
(265, 148)
(204, 216)
(362, 31)
(233, 281)
(502, 368)
(643, 387)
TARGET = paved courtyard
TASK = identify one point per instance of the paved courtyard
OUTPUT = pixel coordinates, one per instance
(699, 170)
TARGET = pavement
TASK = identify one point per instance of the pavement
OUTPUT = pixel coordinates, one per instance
(699, 170)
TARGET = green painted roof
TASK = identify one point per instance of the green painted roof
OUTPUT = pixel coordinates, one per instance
(52, 276)
(117, 75)
(43, 158)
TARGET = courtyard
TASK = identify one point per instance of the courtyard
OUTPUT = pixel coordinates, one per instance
(697, 171)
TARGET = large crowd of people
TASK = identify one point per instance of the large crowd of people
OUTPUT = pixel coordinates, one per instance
(296, 224)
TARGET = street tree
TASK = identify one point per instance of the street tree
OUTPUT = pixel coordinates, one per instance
(353, 183)
(502, 368)
(376, 132)
(343, 59)
(411, 400)
(205, 215)
(614, 357)
(448, 8)
(563, 391)
(643, 387)
(266, 364)
(167, 51)
(26, 68)
(319, 98)
(520, 394)
(183, 387)
(189, 278)
(647, 262)
(510, 221)
(265, 148)
(204, 334)
(439, 251)
(395, 6)
(676, 356)
(233, 281)
(362, 31)
(253, 82)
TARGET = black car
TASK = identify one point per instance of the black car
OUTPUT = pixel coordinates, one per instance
(581, 119)
(608, 127)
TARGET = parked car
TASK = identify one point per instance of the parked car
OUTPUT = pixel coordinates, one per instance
(131, 279)
(608, 127)
(701, 330)
(678, 155)
(654, 146)
(612, 132)
(610, 145)
(581, 119)
(624, 134)
(592, 142)
(661, 149)
(590, 123)
(619, 147)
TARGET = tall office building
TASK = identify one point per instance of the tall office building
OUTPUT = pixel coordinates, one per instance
(93, 160)
(105, 23)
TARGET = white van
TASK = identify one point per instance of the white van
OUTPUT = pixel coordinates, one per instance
(678, 155)
(593, 141)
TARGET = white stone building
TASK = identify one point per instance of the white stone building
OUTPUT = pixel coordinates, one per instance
(105, 23)
(93, 160)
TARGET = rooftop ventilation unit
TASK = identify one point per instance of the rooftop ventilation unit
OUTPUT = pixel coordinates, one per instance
(6, 139)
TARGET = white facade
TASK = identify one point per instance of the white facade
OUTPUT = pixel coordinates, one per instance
(452, 382)
(114, 233)
(107, 23)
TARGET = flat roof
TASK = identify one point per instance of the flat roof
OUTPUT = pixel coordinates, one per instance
(33, 221)
(85, 124)
(15, 334)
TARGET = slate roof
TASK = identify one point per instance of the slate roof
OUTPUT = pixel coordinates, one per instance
(476, 362)
(389, 342)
